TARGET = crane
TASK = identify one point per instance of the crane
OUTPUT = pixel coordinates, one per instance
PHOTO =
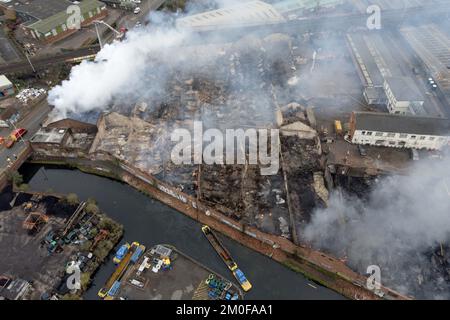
(119, 34)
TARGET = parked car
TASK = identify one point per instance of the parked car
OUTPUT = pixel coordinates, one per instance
(137, 10)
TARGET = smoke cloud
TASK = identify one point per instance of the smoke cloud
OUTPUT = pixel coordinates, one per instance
(136, 68)
(404, 219)
(118, 72)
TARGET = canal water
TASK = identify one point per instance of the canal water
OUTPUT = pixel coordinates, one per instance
(150, 222)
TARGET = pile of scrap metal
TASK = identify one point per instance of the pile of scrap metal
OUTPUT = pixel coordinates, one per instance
(34, 221)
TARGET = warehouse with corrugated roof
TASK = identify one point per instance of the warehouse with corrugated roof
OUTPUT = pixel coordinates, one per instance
(47, 20)
(6, 87)
(248, 13)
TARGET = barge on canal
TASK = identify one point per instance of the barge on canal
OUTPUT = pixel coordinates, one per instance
(226, 257)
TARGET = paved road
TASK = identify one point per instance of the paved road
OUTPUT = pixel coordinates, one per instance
(31, 122)
(7, 50)
(146, 6)
(40, 63)
(44, 62)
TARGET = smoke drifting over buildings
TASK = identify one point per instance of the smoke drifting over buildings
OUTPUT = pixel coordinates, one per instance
(403, 221)
(121, 72)
(136, 68)
(403, 225)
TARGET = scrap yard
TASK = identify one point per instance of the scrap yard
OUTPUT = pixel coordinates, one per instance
(41, 235)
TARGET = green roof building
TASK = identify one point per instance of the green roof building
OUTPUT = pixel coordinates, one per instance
(56, 26)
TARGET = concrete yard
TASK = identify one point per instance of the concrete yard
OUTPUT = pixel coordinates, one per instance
(185, 281)
(24, 257)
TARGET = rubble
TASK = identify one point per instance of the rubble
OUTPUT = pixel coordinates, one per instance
(299, 129)
(319, 187)
(244, 91)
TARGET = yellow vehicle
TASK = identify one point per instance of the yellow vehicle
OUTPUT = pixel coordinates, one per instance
(240, 277)
(102, 293)
(226, 257)
(119, 272)
(338, 127)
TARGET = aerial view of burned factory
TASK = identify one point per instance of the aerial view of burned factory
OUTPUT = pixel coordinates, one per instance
(224, 150)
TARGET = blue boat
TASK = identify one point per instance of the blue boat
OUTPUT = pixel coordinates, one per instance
(239, 275)
(114, 289)
(121, 253)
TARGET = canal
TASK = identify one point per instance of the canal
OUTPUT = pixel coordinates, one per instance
(150, 222)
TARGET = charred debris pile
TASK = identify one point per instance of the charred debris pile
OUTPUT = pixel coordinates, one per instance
(240, 85)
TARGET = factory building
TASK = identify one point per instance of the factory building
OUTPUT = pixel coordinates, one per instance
(304, 6)
(30, 11)
(248, 13)
(368, 71)
(399, 131)
(121, 4)
(432, 47)
(362, 5)
(403, 96)
(6, 87)
(46, 20)
(384, 80)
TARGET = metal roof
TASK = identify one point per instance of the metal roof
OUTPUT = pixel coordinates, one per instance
(294, 5)
(4, 82)
(38, 9)
(60, 18)
(54, 135)
(404, 89)
(253, 12)
(385, 122)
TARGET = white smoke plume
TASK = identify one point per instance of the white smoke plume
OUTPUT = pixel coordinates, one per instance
(119, 70)
(404, 218)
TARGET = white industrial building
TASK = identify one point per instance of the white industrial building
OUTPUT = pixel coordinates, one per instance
(301, 6)
(399, 131)
(6, 87)
(403, 96)
(248, 13)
